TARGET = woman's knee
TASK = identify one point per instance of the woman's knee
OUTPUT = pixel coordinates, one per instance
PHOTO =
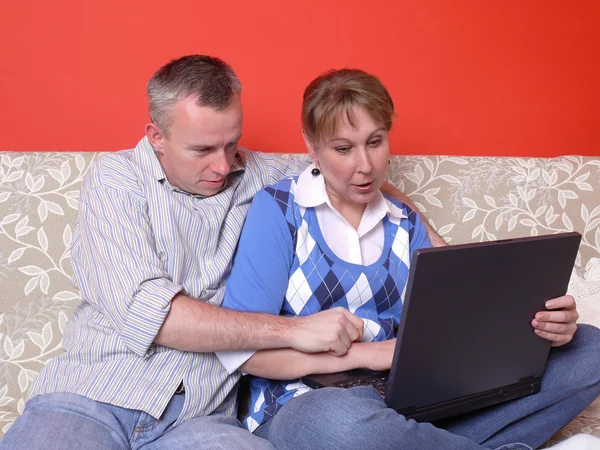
(344, 416)
(341, 404)
(588, 337)
(578, 363)
(587, 334)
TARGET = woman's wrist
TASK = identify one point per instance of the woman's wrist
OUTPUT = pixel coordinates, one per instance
(357, 356)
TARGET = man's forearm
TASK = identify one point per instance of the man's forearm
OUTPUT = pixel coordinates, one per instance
(196, 326)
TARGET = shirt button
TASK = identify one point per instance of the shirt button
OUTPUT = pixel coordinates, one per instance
(151, 350)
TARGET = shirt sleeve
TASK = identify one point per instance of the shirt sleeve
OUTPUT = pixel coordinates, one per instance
(419, 238)
(117, 267)
(261, 268)
(279, 167)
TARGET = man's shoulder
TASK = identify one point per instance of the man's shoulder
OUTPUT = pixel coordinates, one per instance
(254, 160)
(272, 166)
(114, 170)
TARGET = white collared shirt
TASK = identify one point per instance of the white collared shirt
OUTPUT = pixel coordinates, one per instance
(357, 246)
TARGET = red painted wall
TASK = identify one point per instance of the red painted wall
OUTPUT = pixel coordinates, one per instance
(511, 77)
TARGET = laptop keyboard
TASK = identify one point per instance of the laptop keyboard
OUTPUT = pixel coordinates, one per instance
(379, 383)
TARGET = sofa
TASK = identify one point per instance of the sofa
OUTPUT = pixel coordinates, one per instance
(465, 198)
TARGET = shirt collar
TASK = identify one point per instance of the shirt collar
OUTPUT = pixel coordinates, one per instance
(310, 192)
(146, 158)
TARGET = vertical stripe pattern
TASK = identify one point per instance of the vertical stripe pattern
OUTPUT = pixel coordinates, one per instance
(138, 242)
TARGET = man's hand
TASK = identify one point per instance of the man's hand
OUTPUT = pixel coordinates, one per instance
(333, 331)
(558, 325)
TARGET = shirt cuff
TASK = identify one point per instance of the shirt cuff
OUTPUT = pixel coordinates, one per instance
(232, 361)
(147, 313)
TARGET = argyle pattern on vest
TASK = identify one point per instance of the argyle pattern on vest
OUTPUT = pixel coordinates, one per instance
(319, 280)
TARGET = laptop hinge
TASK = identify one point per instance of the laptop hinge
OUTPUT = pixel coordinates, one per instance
(533, 383)
(527, 380)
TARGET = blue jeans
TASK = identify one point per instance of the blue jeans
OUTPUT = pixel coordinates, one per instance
(69, 421)
(358, 418)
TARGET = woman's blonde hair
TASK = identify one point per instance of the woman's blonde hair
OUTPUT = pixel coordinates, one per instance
(337, 92)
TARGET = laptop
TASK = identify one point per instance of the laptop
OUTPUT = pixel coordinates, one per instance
(465, 339)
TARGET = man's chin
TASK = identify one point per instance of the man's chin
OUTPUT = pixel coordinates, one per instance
(207, 189)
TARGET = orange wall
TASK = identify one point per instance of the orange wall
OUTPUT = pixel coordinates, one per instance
(498, 77)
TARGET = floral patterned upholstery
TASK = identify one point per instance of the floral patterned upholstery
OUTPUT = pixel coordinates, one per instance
(466, 198)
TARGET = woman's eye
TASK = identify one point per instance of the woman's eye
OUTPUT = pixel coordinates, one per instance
(344, 149)
(374, 143)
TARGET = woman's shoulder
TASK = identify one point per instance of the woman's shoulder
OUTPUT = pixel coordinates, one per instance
(283, 185)
(283, 190)
(397, 206)
(277, 197)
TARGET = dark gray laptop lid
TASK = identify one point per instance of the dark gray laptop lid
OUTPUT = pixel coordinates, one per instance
(445, 354)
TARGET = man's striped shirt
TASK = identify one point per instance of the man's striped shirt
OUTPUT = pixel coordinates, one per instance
(138, 242)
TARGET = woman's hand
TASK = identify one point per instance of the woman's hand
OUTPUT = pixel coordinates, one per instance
(558, 325)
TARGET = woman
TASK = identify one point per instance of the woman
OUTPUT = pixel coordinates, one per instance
(329, 238)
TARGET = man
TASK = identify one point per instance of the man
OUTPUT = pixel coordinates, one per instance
(155, 235)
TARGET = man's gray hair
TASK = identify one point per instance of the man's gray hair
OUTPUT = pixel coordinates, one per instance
(209, 79)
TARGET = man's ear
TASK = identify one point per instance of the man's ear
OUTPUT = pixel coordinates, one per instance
(311, 148)
(155, 136)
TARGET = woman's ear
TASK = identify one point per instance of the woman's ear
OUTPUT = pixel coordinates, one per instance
(311, 148)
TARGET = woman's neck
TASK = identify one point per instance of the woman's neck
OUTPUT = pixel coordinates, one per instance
(350, 211)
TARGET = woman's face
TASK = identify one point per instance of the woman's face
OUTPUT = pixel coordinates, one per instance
(354, 161)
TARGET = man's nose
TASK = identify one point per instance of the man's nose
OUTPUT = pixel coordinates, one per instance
(221, 164)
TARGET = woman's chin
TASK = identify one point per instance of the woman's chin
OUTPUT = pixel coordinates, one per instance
(363, 197)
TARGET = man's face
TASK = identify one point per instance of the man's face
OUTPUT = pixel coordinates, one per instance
(201, 145)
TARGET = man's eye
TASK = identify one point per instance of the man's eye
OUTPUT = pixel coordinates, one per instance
(232, 147)
(374, 143)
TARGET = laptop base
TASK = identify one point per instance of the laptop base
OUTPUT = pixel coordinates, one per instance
(433, 413)
(474, 402)
(349, 379)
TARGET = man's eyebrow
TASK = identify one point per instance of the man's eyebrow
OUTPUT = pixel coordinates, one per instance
(198, 147)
